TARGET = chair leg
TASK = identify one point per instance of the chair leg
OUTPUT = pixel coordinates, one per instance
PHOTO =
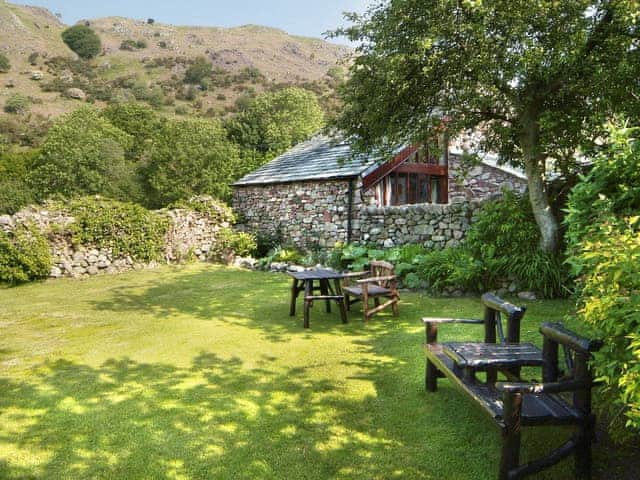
(365, 309)
(510, 457)
(583, 450)
(394, 307)
(347, 302)
(376, 301)
(431, 377)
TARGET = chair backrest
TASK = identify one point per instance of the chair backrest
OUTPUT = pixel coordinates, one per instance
(380, 268)
(494, 309)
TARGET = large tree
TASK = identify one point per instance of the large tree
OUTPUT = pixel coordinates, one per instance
(536, 77)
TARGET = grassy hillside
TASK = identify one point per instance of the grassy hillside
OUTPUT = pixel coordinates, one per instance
(246, 61)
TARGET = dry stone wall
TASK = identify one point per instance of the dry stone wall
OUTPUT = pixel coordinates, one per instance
(190, 234)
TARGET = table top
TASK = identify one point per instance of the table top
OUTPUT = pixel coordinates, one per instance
(478, 355)
(316, 274)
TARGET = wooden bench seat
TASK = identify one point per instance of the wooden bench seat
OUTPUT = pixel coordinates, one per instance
(514, 403)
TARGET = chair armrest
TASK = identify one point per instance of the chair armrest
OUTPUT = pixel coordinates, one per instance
(377, 279)
(536, 388)
(473, 321)
(431, 325)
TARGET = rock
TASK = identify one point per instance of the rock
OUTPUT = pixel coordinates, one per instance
(55, 272)
(92, 270)
(76, 93)
(37, 75)
(10, 84)
(295, 268)
(527, 295)
(388, 243)
(6, 220)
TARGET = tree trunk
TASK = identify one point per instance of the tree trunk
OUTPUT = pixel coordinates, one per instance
(534, 169)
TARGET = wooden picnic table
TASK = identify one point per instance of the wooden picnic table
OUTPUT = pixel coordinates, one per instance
(304, 282)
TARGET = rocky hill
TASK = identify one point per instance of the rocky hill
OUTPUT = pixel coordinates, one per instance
(139, 55)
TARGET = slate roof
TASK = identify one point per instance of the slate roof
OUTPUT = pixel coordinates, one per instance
(324, 158)
(320, 158)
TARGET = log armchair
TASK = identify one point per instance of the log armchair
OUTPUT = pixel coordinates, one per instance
(379, 282)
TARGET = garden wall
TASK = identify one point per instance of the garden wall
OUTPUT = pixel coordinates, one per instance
(190, 234)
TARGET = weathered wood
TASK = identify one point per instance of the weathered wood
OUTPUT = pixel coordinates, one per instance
(516, 404)
(304, 281)
(381, 282)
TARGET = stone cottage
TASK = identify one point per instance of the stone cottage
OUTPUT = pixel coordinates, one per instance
(319, 193)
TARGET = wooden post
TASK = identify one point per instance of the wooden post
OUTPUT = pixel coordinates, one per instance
(431, 372)
(550, 357)
(510, 458)
(490, 337)
(294, 296)
(324, 290)
(582, 401)
(308, 291)
(341, 302)
(365, 302)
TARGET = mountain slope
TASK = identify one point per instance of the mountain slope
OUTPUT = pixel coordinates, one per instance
(271, 54)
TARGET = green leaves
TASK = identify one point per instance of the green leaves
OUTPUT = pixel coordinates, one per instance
(24, 255)
(603, 239)
(82, 40)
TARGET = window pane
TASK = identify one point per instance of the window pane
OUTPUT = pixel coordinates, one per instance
(413, 188)
(435, 190)
(423, 193)
(401, 189)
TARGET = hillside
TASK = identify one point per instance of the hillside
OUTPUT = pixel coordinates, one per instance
(246, 60)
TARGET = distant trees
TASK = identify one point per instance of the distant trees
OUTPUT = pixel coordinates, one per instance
(275, 121)
(189, 157)
(5, 64)
(84, 154)
(82, 40)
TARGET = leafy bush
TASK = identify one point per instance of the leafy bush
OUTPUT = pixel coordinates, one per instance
(85, 154)
(604, 253)
(33, 58)
(15, 192)
(266, 241)
(17, 103)
(82, 40)
(24, 255)
(200, 69)
(5, 64)
(132, 45)
(126, 228)
(217, 211)
(229, 243)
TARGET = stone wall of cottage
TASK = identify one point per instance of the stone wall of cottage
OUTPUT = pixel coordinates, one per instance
(190, 234)
(309, 215)
(313, 214)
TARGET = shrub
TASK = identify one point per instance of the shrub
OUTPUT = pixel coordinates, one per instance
(5, 64)
(24, 255)
(128, 45)
(229, 244)
(82, 40)
(150, 21)
(33, 58)
(217, 211)
(17, 103)
(603, 240)
(15, 191)
(126, 228)
(200, 69)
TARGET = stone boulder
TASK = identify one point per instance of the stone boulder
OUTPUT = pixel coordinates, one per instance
(76, 93)
(37, 75)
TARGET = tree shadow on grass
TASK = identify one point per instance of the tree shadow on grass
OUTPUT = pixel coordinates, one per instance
(212, 419)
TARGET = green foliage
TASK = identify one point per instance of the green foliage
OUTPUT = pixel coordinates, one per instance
(229, 243)
(82, 40)
(126, 228)
(33, 58)
(5, 64)
(85, 154)
(604, 252)
(24, 255)
(200, 69)
(137, 120)
(188, 158)
(539, 77)
(15, 192)
(17, 103)
(218, 211)
(267, 241)
(275, 121)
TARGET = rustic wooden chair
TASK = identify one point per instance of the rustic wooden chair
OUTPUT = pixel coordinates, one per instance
(378, 282)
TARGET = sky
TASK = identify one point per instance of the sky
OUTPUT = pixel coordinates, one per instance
(308, 18)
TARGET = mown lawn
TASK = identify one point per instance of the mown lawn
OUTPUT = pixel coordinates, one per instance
(199, 372)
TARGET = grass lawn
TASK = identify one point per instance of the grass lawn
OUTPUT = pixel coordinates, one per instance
(199, 372)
